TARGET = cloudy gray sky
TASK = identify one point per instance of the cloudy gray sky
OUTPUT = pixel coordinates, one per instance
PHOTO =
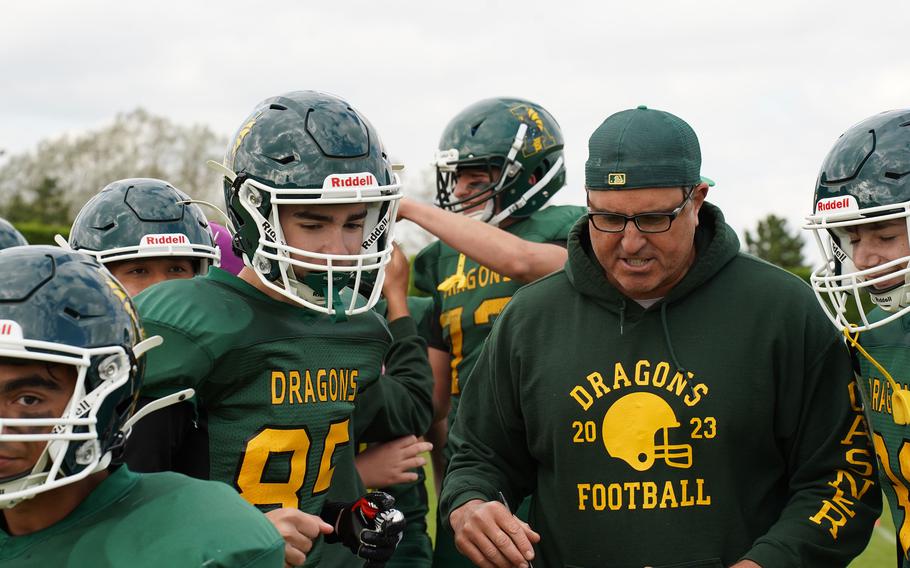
(768, 86)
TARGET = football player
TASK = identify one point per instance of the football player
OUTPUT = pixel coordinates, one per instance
(499, 161)
(862, 207)
(71, 364)
(9, 236)
(145, 231)
(281, 353)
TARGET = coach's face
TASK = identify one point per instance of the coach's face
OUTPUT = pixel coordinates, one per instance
(645, 265)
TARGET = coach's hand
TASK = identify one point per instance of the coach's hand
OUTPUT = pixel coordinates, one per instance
(299, 530)
(490, 535)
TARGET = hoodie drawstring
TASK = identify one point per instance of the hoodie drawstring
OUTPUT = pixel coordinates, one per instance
(663, 321)
(622, 314)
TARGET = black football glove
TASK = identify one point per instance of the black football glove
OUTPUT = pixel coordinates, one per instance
(369, 526)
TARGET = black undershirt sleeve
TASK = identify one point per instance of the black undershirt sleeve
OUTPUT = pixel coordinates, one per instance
(171, 439)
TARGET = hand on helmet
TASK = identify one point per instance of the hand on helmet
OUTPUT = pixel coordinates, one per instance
(369, 526)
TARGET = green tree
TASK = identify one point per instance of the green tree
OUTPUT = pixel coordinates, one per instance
(45, 204)
(773, 241)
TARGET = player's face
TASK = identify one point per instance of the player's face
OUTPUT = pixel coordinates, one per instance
(473, 181)
(138, 274)
(878, 243)
(30, 390)
(646, 265)
(324, 229)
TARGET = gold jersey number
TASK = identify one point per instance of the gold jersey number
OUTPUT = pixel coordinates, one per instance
(484, 313)
(297, 443)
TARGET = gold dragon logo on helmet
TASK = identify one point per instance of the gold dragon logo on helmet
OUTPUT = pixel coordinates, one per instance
(538, 137)
(636, 430)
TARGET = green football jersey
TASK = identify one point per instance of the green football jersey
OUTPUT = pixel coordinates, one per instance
(278, 383)
(158, 519)
(890, 346)
(464, 315)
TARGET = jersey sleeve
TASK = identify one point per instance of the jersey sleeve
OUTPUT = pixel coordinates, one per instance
(834, 500)
(179, 362)
(400, 402)
(424, 269)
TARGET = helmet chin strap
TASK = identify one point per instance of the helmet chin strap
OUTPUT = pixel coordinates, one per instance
(532, 191)
(484, 214)
(892, 300)
(314, 287)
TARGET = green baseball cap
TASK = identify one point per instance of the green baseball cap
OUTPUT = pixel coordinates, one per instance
(642, 147)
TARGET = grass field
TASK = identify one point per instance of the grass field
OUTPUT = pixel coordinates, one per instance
(879, 553)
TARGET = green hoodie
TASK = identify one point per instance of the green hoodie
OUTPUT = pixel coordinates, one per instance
(714, 426)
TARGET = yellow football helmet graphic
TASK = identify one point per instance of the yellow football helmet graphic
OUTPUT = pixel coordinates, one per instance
(636, 430)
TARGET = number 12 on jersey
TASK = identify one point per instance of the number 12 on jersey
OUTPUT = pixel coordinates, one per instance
(484, 313)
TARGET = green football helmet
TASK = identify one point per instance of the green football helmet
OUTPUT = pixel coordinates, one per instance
(143, 218)
(9, 236)
(864, 179)
(518, 138)
(64, 307)
(311, 148)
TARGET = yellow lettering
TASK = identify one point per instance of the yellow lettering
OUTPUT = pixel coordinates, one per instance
(631, 486)
(619, 375)
(661, 371)
(685, 500)
(648, 495)
(698, 391)
(865, 467)
(320, 384)
(483, 276)
(858, 428)
(669, 497)
(354, 373)
(597, 383)
(831, 513)
(680, 383)
(294, 387)
(583, 490)
(309, 395)
(278, 376)
(333, 384)
(614, 496)
(642, 374)
(582, 397)
(854, 400)
(702, 498)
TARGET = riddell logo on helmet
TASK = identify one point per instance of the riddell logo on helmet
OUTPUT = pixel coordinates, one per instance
(10, 329)
(167, 239)
(836, 204)
(337, 181)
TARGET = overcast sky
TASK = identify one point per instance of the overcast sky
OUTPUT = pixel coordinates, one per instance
(768, 86)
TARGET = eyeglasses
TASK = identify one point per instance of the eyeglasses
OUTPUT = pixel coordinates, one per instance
(645, 222)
